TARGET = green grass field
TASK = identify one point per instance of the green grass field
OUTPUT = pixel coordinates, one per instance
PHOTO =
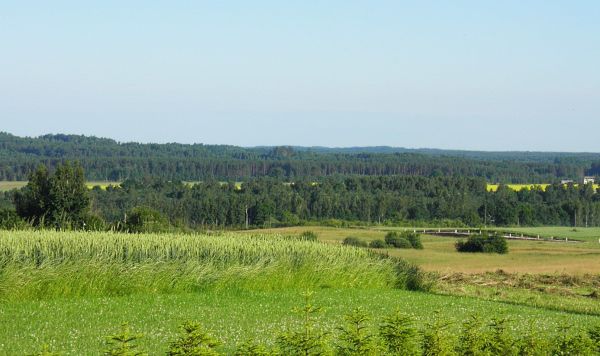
(70, 289)
(525, 256)
(76, 326)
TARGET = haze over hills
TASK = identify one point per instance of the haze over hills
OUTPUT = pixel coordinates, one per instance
(108, 159)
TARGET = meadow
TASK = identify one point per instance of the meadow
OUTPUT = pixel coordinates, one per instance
(70, 289)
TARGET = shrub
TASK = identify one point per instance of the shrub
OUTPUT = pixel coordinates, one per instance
(483, 243)
(145, 219)
(194, 340)
(572, 342)
(308, 236)
(411, 277)
(307, 340)
(377, 244)
(354, 241)
(499, 341)
(355, 338)
(92, 222)
(251, 348)
(533, 344)
(125, 343)
(470, 341)
(404, 239)
(10, 220)
(414, 239)
(399, 334)
(436, 339)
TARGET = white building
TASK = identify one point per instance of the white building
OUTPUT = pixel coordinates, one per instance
(587, 180)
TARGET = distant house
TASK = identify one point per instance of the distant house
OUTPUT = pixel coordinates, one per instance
(590, 180)
(566, 181)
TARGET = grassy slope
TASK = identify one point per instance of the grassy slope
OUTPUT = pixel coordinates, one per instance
(76, 326)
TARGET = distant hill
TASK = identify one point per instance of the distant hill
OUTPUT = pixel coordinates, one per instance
(107, 159)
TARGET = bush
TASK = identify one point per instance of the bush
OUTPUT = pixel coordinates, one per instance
(355, 338)
(308, 236)
(404, 239)
(377, 244)
(144, 219)
(399, 334)
(354, 241)
(483, 243)
(414, 239)
(10, 220)
(92, 222)
(194, 340)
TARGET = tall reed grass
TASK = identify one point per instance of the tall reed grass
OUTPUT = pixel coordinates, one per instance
(43, 264)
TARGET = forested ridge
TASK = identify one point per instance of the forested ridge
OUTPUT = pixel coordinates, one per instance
(107, 159)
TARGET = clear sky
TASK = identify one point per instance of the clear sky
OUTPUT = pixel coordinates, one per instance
(489, 75)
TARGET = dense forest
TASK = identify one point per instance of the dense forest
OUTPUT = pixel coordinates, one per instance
(106, 159)
(263, 202)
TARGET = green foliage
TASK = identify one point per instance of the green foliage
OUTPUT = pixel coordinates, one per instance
(354, 241)
(308, 236)
(411, 277)
(251, 348)
(533, 344)
(93, 222)
(488, 243)
(414, 239)
(403, 239)
(45, 351)
(307, 341)
(500, 341)
(573, 342)
(377, 244)
(399, 334)
(60, 200)
(436, 340)
(143, 219)
(10, 220)
(594, 334)
(194, 341)
(355, 338)
(125, 343)
(471, 341)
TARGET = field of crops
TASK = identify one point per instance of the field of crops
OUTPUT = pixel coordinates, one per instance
(47, 264)
(518, 187)
(10, 185)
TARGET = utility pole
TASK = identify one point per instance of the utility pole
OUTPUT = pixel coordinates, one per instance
(246, 217)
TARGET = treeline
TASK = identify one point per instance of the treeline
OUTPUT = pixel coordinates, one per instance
(106, 159)
(60, 199)
(398, 200)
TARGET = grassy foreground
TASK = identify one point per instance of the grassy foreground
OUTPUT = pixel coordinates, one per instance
(77, 326)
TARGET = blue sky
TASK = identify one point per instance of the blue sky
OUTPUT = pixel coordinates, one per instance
(488, 75)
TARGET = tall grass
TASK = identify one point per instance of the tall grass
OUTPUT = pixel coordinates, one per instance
(42, 264)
